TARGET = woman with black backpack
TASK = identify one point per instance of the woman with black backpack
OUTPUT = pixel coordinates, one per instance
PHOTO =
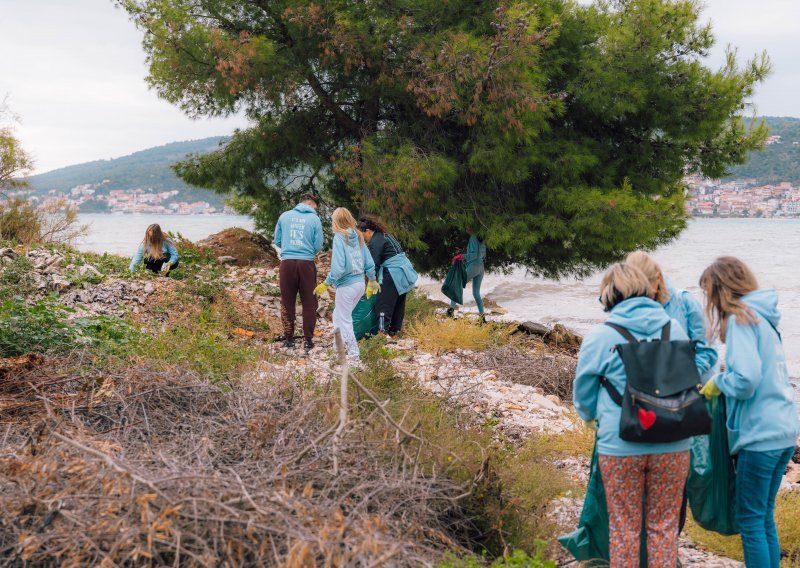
(627, 467)
(762, 416)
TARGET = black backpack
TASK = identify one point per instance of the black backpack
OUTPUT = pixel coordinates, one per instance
(662, 401)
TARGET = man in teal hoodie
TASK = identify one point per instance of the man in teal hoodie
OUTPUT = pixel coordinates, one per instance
(299, 237)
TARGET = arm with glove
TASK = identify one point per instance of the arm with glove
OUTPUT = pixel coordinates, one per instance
(743, 374)
(373, 287)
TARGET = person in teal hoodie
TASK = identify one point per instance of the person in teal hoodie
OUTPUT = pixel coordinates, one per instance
(157, 250)
(395, 273)
(763, 424)
(350, 262)
(299, 237)
(473, 259)
(681, 306)
(627, 467)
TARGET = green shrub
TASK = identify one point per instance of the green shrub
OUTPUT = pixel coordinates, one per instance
(20, 222)
(517, 559)
(39, 328)
(24, 223)
(16, 279)
(418, 307)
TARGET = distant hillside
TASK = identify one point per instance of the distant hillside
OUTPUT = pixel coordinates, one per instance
(778, 161)
(147, 169)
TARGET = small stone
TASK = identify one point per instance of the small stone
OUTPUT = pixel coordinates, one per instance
(225, 259)
(554, 399)
(149, 288)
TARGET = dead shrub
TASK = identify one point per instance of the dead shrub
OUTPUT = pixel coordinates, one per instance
(139, 467)
(534, 364)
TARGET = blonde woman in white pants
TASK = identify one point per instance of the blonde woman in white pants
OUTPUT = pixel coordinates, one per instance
(350, 263)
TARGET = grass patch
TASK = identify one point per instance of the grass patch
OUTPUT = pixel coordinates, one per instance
(37, 328)
(16, 279)
(435, 334)
(418, 307)
(787, 517)
(517, 559)
(730, 546)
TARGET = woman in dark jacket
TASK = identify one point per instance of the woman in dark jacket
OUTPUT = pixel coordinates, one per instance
(394, 272)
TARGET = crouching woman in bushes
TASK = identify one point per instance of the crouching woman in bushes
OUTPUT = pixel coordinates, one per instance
(157, 250)
(762, 417)
(628, 467)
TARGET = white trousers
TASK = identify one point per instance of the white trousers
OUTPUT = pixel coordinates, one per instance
(346, 299)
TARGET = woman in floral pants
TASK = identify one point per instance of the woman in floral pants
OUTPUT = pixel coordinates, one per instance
(631, 470)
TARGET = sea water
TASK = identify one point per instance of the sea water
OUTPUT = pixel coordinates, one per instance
(768, 246)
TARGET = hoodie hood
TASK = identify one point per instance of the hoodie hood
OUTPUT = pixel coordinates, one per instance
(352, 238)
(640, 315)
(764, 303)
(305, 208)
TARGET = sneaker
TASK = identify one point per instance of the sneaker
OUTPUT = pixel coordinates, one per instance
(356, 364)
(288, 343)
(482, 319)
(450, 312)
(308, 345)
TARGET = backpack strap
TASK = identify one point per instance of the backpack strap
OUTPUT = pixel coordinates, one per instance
(612, 392)
(665, 331)
(623, 332)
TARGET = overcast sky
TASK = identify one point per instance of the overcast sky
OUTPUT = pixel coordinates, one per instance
(74, 72)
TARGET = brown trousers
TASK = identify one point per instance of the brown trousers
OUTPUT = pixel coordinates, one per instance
(298, 276)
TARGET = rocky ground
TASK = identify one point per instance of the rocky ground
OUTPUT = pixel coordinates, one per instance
(483, 394)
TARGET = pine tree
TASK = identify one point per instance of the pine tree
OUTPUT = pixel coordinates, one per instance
(558, 132)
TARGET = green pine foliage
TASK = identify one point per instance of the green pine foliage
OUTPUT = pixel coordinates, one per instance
(559, 132)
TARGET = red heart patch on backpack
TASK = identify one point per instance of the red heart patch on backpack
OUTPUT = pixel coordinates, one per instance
(647, 418)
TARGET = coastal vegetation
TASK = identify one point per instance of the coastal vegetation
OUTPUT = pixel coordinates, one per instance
(131, 401)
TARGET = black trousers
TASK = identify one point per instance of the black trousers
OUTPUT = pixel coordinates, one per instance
(156, 264)
(390, 306)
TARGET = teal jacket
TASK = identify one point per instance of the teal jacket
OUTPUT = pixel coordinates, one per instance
(683, 308)
(350, 261)
(762, 414)
(474, 257)
(167, 249)
(299, 233)
(644, 318)
(403, 274)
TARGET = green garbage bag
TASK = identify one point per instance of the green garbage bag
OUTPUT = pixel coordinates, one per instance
(711, 487)
(589, 542)
(365, 320)
(455, 281)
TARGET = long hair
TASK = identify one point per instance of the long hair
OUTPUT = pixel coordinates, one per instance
(342, 221)
(725, 282)
(652, 270)
(372, 223)
(620, 282)
(154, 240)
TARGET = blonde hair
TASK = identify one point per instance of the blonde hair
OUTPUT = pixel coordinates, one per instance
(342, 221)
(620, 282)
(652, 270)
(725, 282)
(154, 240)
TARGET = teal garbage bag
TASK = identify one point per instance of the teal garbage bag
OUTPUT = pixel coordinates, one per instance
(365, 320)
(589, 542)
(711, 487)
(455, 281)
